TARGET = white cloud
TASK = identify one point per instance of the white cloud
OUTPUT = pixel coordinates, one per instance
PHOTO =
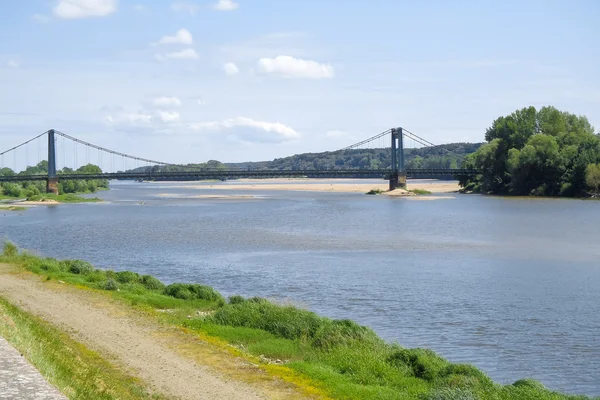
(187, 54)
(129, 119)
(13, 64)
(71, 9)
(41, 18)
(182, 36)
(231, 69)
(275, 131)
(294, 67)
(168, 116)
(185, 6)
(140, 8)
(166, 102)
(226, 5)
(336, 134)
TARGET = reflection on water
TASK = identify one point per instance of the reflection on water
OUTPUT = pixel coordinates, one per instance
(510, 285)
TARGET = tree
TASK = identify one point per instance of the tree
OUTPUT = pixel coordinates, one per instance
(531, 152)
(592, 177)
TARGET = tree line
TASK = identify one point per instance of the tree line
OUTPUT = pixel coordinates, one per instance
(443, 156)
(34, 188)
(544, 152)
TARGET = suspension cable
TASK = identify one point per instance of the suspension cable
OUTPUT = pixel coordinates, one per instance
(24, 143)
(367, 140)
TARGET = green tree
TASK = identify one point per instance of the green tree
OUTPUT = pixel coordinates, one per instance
(592, 177)
(543, 152)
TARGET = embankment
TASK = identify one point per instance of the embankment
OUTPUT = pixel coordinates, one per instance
(310, 355)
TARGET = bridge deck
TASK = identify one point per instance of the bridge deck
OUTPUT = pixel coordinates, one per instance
(235, 174)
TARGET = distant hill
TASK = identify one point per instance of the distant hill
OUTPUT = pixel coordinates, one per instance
(443, 156)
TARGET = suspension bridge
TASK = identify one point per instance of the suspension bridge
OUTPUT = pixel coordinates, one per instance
(75, 152)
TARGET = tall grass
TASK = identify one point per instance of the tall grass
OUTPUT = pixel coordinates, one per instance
(343, 358)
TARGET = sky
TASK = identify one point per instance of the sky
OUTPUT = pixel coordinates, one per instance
(246, 80)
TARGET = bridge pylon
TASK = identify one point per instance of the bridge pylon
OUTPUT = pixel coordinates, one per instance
(398, 176)
(52, 181)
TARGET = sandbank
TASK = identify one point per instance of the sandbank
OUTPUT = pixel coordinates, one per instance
(332, 185)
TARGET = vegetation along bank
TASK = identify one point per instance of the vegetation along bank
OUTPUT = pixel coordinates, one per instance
(338, 357)
(68, 190)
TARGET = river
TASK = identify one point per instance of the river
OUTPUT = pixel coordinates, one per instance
(510, 285)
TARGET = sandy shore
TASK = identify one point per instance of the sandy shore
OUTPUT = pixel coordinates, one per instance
(37, 203)
(209, 196)
(333, 185)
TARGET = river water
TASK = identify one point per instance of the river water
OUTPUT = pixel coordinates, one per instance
(509, 285)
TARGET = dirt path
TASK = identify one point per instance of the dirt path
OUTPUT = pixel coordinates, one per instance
(146, 349)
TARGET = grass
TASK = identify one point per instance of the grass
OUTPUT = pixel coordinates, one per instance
(64, 198)
(339, 357)
(375, 191)
(76, 371)
(420, 191)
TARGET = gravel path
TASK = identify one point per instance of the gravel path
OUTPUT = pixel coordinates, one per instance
(143, 347)
(19, 380)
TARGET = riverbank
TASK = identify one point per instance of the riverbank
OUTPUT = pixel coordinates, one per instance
(332, 185)
(339, 358)
(48, 200)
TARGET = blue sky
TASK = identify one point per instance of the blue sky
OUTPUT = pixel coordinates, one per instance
(236, 80)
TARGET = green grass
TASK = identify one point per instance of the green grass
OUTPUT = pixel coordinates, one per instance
(64, 198)
(75, 370)
(420, 191)
(340, 357)
(375, 191)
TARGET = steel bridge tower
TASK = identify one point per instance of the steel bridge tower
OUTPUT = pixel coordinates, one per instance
(398, 176)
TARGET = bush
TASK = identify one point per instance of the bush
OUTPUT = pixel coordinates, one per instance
(77, 267)
(286, 322)
(237, 299)
(51, 265)
(424, 363)
(335, 333)
(10, 249)
(128, 277)
(186, 291)
(111, 284)
(96, 277)
(152, 283)
(529, 383)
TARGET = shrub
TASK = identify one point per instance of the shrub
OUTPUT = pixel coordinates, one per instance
(335, 333)
(50, 265)
(237, 299)
(205, 293)
(128, 277)
(287, 322)
(186, 291)
(111, 284)
(77, 267)
(152, 283)
(375, 191)
(529, 383)
(10, 249)
(424, 363)
(96, 277)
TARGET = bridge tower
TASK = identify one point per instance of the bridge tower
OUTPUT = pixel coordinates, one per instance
(52, 181)
(398, 176)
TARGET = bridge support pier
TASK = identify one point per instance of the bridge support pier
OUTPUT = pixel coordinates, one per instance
(52, 182)
(398, 177)
(52, 185)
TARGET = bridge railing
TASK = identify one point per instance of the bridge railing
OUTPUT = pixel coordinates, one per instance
(232, 174)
